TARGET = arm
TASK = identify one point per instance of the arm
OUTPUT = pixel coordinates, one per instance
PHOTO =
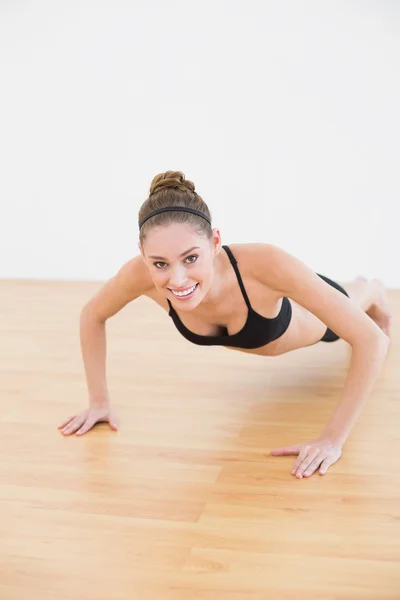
(366, 363)
(130, 282)
(365, 366)
(93, 348)
(369, 347)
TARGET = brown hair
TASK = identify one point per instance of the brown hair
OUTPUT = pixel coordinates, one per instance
(172, 189)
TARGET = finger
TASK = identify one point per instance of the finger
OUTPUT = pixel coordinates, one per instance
(73, 425)
(86, 426)
(328, 462)
(69, 425)
(113, 424)
(66, 422)
(307, 462)
(285, 450)
(302, 455)
(313, 466)
(304, 461)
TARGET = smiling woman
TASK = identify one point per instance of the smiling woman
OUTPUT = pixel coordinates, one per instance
(181, 292)
(273, 304)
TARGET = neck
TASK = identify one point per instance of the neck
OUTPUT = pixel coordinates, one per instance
(216, 291)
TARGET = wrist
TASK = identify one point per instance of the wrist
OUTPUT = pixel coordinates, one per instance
(99, 402)
(333, 439)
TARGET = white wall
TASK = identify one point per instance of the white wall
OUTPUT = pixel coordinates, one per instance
(285, 114)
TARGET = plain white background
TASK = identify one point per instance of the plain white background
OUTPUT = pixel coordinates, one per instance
(285, 115)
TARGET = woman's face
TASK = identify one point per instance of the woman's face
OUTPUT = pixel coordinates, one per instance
(181, 262)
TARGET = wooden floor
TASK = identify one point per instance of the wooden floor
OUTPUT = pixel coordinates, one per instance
(184, 502)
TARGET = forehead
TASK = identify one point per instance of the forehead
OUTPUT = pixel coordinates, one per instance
(170, 241)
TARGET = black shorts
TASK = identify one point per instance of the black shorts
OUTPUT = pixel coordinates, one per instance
(329, 335)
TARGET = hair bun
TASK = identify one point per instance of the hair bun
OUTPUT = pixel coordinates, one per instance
(170, 179)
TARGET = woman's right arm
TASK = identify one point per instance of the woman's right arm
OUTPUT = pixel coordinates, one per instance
(130, 282)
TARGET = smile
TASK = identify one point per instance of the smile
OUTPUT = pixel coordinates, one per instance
(188, 293)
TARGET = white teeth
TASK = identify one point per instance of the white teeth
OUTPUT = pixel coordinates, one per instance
(185, 293)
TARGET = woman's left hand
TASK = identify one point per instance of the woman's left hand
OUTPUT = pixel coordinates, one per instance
(312, 455)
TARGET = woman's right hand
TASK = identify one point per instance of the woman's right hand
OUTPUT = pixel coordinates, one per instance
(82, 422)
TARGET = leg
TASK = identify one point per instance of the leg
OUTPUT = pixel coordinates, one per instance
(371, 296)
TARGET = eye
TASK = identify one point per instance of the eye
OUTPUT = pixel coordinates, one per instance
(195, 256)
(188, 258)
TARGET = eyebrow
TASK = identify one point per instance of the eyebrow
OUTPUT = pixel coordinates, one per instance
(183, 253)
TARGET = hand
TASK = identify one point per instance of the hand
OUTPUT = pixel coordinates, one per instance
(312, 455)
(82, 422)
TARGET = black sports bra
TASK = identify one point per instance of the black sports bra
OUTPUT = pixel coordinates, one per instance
(257, 331)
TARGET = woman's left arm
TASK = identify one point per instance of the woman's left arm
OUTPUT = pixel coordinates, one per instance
(369, 347)
(366, 363)
(365, 366)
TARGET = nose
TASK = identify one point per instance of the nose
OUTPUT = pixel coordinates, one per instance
(178, 278)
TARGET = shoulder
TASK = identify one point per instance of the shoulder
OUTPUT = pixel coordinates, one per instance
(135, 275)
(276, 268)
(285, 273)
(262, 261)
(131, 281)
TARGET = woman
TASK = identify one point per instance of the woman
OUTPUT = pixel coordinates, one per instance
(272, 305)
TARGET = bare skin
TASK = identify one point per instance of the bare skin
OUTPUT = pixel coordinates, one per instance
(305, 329)
(372, 297)
(219, 302)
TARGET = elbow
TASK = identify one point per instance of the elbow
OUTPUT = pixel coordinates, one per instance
(382, 345)
(377, 340)
(382, 339)
(89, 314)
(385, 340)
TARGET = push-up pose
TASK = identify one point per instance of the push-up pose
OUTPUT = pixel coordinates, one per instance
(249, 297)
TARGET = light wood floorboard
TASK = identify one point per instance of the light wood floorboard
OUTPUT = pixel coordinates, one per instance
(184, 502)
